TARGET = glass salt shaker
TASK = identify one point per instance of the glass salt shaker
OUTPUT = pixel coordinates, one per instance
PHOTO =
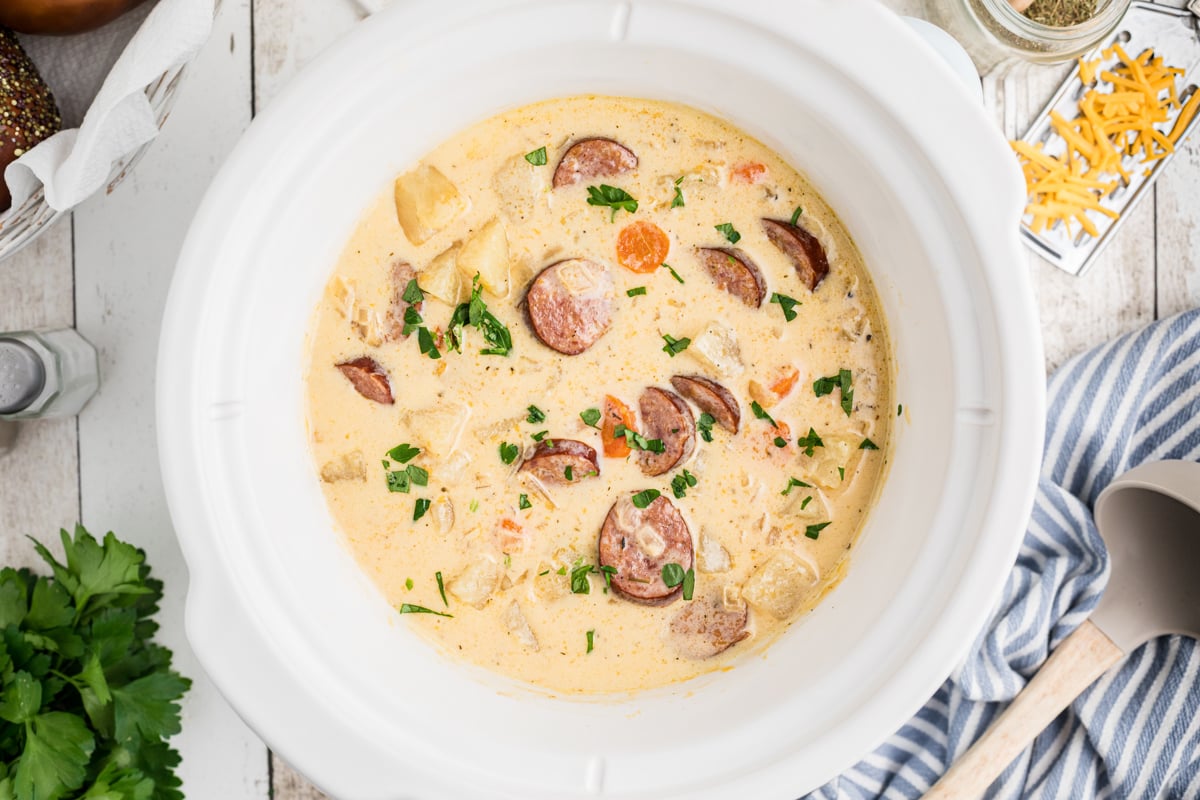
(45, 374)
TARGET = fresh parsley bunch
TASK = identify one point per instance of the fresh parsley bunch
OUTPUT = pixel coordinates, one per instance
(88, 699)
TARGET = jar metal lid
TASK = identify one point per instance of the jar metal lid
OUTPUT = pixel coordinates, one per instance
(22, 376)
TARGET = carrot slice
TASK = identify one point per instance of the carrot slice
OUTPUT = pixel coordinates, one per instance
(784, 385)
(748, 172)
(642, 247)
(615, 413)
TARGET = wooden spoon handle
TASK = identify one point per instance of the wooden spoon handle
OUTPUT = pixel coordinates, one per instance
(1081, 658)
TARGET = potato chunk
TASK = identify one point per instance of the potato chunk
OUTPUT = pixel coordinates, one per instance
(780, 585)
(518, 626)
(486, 254)
(443, 280)
(717, 347)
(826, 465)
(711, 556)
(349, 467)
(476, 584)
(426, 202)
(437, 430)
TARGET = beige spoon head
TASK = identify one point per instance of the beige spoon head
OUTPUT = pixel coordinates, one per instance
(1149, 518)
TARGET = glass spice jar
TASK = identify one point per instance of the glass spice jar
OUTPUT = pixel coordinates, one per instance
(46, 373)
(993, 31)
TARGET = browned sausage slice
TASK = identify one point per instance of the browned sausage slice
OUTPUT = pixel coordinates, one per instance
(570, 304)
(553, 460)
(705, 627)
(710, 397)
(593, 158)
(802, 249)
(734, 272)
(369, 379)
(402, 273)
(639, 542)
(666, 416)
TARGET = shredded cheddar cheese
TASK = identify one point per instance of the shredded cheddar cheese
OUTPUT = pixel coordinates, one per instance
(1116, 132)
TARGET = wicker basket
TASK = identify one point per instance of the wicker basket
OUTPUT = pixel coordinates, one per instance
(33, 217)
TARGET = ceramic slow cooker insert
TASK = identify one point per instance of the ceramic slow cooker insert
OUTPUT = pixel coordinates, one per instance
(297, 637)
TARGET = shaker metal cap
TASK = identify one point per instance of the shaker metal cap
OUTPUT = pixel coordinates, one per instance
(22, 376)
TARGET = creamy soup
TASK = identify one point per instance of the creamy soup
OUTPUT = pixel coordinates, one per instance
(599, 394)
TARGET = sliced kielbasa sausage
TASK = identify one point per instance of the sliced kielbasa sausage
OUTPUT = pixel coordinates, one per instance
(705, 627)
(593, 158)
(712, 398)
(734, 272)
(369, 379)
(802, 249)
(666, 417)
(570, 304)
(639, 542)
(562, 461)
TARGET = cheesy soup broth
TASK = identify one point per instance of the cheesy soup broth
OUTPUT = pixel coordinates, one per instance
(753, 526)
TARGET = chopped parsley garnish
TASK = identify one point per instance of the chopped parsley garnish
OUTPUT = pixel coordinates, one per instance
(418, 475)
(727, 230)
(608, 571)
(636, 441)
(590, 639)
(611, 196)
(537, 437)
(788, 304)
(402, 480)
(412, 293)
(804, 504)
(794, 482)
(689, 583)
(842, 381)
(814, 531)
(562, 570)
(867, 444)
(635, 291)
(704, 425)
(674, 346)
(408, 584)
(473, 506)
(677, 200)
(412, 321)
(796, 214)
(569, 473)
(672, 574)
(807, 443)
(759, 413)
(899, 409)
(537, 157)
(475, 313)
(420, 508)
(645, 497)
(842, 473)
(681, 483)
(441, 588)
(523, 502)
(426, 343)
(536, 415)
(590, 417)
(399, 481)
(780, 442)
(579, 578)
(403, 453)
(671, 270)
(409, 608)
(543, 572)
(509, 452)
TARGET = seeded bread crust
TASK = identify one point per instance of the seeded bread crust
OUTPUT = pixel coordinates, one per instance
(28, 113)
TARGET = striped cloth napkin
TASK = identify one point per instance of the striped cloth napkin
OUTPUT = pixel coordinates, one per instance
(1135, 733)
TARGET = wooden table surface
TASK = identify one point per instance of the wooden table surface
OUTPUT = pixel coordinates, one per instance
(107, 268)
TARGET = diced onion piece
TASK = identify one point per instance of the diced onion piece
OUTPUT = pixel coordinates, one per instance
(780, 585)
(717, 347)
(514, 620)
(476, 584)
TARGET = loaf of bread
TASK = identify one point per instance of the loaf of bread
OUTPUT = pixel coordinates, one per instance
(28, 113)
(61, 17)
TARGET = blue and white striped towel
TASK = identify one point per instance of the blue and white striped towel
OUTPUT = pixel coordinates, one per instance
(1136, 732)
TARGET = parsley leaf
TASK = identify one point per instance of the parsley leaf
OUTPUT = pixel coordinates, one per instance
(674, 346)
(508, 452)
(535, 415)
(814, 531)
(793, 482)
(412, 293)
(808, 442)
(843, 382)
(590, 639)
(727, 230)
(671, 270)
(672, 574)
(681, 483)
(523, 501)
(796, 214)
(635, 291)
(611, 196)
(410, 608)
(426, 343)
(420, 508)
(645, 497)
(579, 578)
(441, 588)
(704, 425)
(590, 417)
(867, 444)
(788, 304)
(475, 314)
(403, 453)
(760, 413)
(537, 157)
(677, 200)
(689, 583)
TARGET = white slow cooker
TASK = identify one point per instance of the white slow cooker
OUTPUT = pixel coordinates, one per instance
(297, 637)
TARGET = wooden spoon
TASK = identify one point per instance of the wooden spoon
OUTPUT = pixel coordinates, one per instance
(1150, 521)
